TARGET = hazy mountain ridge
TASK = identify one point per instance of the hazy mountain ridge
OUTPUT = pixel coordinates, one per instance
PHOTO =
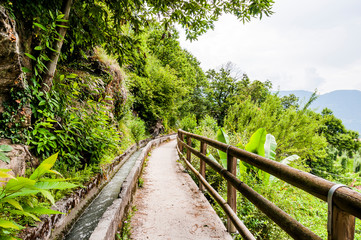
(345, 105)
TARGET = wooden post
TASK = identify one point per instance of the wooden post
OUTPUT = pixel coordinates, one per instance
(343, 225)
(181, 137)
(231, 191)
(178, 140)
(189, 143)
(202, 168)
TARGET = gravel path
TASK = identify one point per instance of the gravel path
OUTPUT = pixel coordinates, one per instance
(169, 204)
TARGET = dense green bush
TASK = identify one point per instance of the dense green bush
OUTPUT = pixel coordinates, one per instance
(294, 130)
(137, 128)
(188, 123)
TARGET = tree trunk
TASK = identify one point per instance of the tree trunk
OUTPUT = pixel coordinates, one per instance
(54, 56)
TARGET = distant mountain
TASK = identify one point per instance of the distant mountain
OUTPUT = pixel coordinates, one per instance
(345, 104)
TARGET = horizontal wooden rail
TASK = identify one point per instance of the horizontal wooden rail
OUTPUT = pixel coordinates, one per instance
(344, 198)
(285, 221)
(243, 230)
(344, 204)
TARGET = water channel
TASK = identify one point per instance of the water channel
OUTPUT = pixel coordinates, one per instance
(88, 221)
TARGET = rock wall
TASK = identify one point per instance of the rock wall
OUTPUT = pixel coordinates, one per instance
(19, 157)
(10, 67)
(11, 75)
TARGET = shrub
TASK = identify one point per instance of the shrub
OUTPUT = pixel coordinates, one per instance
(137, 128)
(188, 123)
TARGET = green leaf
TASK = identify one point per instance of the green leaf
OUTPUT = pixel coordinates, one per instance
(257, 141)
(4, 158)
(26, 70)
(30, 56)
(270, 147)
(5, 148)
(222, 137)
(72, 75)
(63, 26)
(41, 210)
(48, 195)
(14, 203)
(60, 16)
(242, 167)
(44, 167)
(3, 173)
(18, 212)
(62, 20)
(22, 192)
(39, 26)
(51, 14)
(10, 224)
(54, 171)
(38, 48)
(7, 237)
(18, 183)
(54, 185)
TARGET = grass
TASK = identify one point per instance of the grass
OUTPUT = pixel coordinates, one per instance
(125, 232)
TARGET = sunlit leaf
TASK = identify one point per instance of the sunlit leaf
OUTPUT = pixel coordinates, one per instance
(18, 212)
(48, 195)
(30, 56)
(55, 185)
(222, 137)
(40, 26)
(270, 147)
(10, 224)
(14, 203)
(44, 167)
(41, 210)
(257, 141)
(18, 183)
(26, 70)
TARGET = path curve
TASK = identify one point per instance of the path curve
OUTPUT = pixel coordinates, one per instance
(169, 204)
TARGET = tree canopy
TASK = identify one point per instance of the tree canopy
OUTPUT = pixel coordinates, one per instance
(107, 23)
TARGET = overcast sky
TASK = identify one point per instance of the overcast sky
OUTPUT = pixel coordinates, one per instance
(304, 45)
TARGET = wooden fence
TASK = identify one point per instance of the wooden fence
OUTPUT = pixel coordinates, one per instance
(344, 204)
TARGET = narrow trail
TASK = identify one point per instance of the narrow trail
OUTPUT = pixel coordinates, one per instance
(169, 204)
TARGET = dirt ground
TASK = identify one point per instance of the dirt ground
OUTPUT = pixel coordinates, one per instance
(169, 204)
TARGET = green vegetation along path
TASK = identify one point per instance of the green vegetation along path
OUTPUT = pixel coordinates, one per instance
(169, 204)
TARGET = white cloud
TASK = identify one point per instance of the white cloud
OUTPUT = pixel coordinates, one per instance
(304, 45)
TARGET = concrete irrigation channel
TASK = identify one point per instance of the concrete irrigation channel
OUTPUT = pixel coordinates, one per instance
(95, 211)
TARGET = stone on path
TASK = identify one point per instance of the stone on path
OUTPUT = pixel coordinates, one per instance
(169, 204)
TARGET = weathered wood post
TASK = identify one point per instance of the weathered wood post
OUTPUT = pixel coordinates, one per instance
(181, 137)
(202, 168)
(340, 224)
(189, 143)
(343, 225)
(231, 191)
(178, 140)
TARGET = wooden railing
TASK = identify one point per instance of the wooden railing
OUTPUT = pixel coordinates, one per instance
(344, 204)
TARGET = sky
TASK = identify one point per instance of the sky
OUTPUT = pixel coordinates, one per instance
(304, 45)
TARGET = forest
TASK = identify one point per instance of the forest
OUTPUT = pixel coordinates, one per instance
(98, 76)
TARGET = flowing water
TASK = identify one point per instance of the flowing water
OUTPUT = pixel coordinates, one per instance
(85, 225)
